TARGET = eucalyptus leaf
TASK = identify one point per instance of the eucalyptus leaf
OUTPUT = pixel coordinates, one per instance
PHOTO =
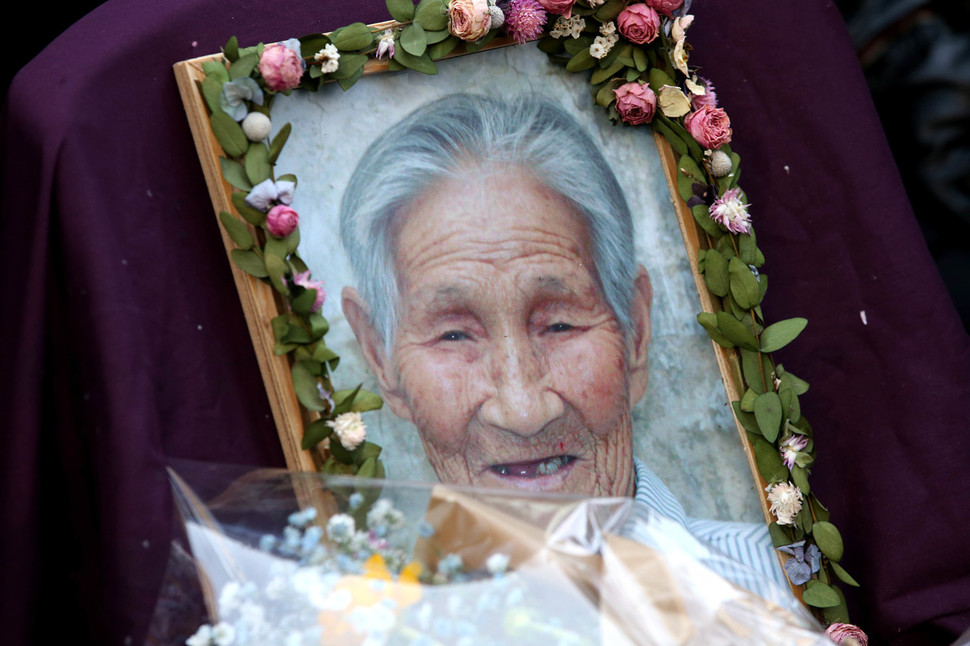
(767, 410)
(716, 273)
(610, 10)
(276, 269)
(349, 65)
(315, 433)
(303, 303)
(748, 400)
(401, 10)
(675, 141)
(442, 49)
(658, 78)
(352, 37)
(789, 404)
(734, 330)
(279, 140)
(603, 74)
(249, 262)
(422, 64)
(280, 325)
(748, 249)
(437, 36)
(305, 384)
(752, 368)
(748, 422)
(709, 322)
(231, 49)
(343, 399)
(788, 380)
(839, 613)
(432, 14)
(821, 511)
(605, 95)
(211, 89)
(414, 40)
(820, 595)
(639, 59)
(778, 335)
(770, 466)
(843, 576)
(581, 61)
(251, 215)
(688, 166)
(311, 44)
(702, 215)
(228, 133)
(216, 69)
(347, 83)
(366, 401)
(550, 45)
(744, 286)
(575, 45)
(237, 230)
(800, 478)
(779, 535)
(829, 540)
(243, 67)
(480, 44)
(258, 167)
(292, 241)
(235, 174)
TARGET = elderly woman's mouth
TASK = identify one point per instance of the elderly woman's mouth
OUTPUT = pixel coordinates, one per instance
(532, 469)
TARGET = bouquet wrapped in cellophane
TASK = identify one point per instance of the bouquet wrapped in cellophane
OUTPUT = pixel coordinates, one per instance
(300, 558)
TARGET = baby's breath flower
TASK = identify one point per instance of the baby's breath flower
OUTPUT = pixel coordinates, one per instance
(601, 47)
(497, 564)
(349, 429)
(340, 528)
(608, 28)
(329, 58)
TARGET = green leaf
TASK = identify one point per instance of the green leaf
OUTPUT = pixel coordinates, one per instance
(422, 64)
(752, 365)
(748, 249)
(702, 215)
(610, 10)
(249, 262)
(443, 48)
(820, 595)
(767, 410)
(368, 468)
(748, 400)
(788, 380)
(315, 433)
(303, 303)
(343, 399)
(675, 141)
(828, 539)
(231, 50)
(235, 174)
(352, 37)
(311, 44)
(778, 335)
(770, 466)
(658, 78)
(347, 83)
(237, 230)
(734, 330)
(305, 381)
(748, 422)
(323, 354)
(401, 10)
(318, 325)
(821, 511)
(367, 451)
(413, 39)
(258, 167)
(243, 67)
(716, 273)
(229, 134)
(800, 478)
(606, 73)
(745, 287)
(276, 269)
(350, 64)
(211, 89)
(839, 613)
(639, 59)
(575, 45)
(843, 576)
(364, 401)
(432, 14)
(276, 145)
(216, 69)
(709, 322)
(789, 404)
(779, 536)
(582, 60)
(251, 215)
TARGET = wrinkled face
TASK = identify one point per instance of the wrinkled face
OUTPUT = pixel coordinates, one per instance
(506, 356)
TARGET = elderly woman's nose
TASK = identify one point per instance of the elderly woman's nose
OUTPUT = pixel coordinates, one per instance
(521, 398)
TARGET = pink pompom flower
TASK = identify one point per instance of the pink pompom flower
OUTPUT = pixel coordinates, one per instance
(639, 23)
(524, 20)
(636, 103)
(666, 7)
(709, 97)
(303, 280)
(732, 213)
(709, 126)
(281, 65)
(281, 220)
(847, 634)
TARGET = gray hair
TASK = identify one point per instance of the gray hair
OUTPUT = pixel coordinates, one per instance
(441, 140)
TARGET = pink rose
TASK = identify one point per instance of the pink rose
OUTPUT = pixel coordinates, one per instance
(709, 126)
(281, 67)
(469, 20)
(639, 23)
(841, 633)
(560, 7)
(281, 220)
(636, 103)
(666, 7)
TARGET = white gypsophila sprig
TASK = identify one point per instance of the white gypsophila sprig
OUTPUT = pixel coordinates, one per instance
(329, 59)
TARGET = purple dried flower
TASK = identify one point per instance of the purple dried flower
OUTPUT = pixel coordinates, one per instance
(804, 562)
(524, 19)
(731, 213)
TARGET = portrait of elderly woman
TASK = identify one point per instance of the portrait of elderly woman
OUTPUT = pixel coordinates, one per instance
(499, 303)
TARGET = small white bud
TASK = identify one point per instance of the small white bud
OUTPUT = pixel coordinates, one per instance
(256, 126)
(720, 164)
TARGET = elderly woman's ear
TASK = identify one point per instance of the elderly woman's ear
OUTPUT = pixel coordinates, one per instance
(373, 348)
(640, 341)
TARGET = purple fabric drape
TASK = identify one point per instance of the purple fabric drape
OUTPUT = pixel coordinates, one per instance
(126, 346)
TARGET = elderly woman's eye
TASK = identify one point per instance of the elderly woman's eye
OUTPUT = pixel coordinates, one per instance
(453, 335)
(559, 327)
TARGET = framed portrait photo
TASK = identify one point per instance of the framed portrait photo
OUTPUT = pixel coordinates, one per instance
(522, 267)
